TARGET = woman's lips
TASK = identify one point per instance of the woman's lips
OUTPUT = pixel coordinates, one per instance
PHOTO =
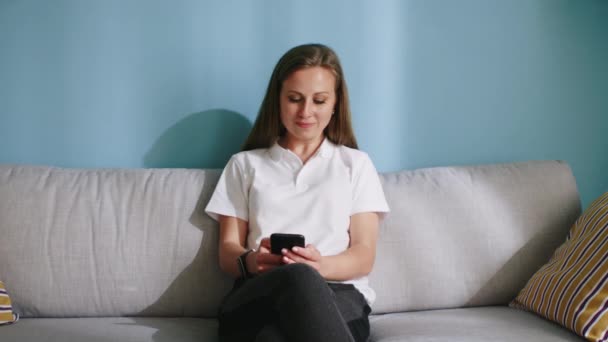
(304, 124)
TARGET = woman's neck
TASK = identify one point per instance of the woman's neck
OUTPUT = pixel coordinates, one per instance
(303, 149)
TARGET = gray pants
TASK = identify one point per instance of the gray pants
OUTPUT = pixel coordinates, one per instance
(293, 303)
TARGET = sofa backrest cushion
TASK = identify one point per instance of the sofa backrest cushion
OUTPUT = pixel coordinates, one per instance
(109, 242)
(469, 236)
(137, 242)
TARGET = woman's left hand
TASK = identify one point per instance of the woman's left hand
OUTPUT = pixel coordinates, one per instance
(309, 255)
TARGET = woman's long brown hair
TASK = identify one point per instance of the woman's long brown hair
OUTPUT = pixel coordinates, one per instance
(268, 127)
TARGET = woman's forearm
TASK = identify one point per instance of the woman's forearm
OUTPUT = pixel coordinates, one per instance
(357, 261)
(229, 253)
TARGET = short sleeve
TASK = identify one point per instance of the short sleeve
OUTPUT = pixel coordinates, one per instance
(230, 195)
(368, 195)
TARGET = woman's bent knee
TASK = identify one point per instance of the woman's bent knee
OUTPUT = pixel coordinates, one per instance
(301, 276)
(302, 273)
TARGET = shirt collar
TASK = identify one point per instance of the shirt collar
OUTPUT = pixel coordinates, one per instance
(325, 150)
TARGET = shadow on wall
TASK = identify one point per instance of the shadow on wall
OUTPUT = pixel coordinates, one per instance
(201, 140)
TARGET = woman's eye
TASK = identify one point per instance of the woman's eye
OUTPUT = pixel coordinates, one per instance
(294, 99)
(319, 101)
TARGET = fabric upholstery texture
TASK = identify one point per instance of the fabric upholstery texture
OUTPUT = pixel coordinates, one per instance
(97, 242)
(469, 236)
(7, 316)
(496, 324)
(111, 329)
(481, 324)
(572, 288)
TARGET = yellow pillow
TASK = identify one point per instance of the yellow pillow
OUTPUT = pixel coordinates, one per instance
(572, 288)
(7, 316)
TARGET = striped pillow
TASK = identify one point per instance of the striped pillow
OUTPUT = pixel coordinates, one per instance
(572, 288)
(7, 316)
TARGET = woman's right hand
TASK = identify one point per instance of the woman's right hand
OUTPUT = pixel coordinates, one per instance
(262, 260)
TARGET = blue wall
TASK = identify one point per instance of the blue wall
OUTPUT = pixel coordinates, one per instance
(177, 83)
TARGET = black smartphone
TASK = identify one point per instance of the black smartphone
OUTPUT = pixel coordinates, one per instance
(279, 241)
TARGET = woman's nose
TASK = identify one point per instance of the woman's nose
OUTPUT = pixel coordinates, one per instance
(305, 109)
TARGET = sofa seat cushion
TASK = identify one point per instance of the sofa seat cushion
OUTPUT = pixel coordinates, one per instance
(111, 329)
(494, 323)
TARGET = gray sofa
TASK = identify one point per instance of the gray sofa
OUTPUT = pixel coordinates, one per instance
(129, 255)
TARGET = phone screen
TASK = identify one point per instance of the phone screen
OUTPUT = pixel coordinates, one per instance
(279, 241)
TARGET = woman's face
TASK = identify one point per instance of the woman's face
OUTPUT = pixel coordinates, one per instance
(307, 101)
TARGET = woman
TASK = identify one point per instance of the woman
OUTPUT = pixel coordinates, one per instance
(299, 172)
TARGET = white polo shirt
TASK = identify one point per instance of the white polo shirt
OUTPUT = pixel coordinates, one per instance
(275, 192)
